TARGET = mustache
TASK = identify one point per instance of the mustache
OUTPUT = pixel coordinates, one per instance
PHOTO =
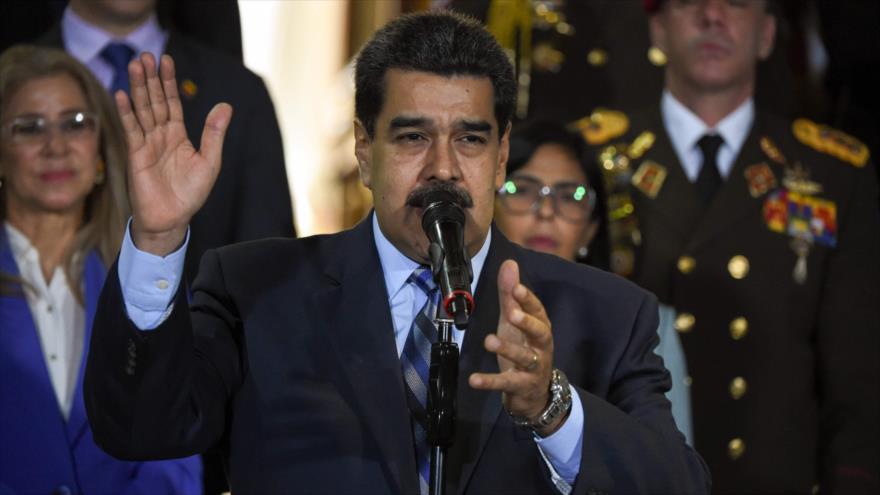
(418, 196)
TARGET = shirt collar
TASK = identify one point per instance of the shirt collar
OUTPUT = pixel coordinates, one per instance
(689, 128)
(85, 41)
(19, 243)
(397, 267)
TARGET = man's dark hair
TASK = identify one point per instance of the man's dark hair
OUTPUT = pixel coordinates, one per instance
(443, 43)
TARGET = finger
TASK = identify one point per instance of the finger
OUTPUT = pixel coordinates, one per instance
(529, 301)
(157, 95)
(169, 85)
(511, 383)
(140, 98)
(523, 358)
(133, 133)
(215, 131)
(508, 277)
(536, 330)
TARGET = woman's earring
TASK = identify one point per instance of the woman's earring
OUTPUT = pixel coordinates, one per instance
(583, 251)
(99, 174)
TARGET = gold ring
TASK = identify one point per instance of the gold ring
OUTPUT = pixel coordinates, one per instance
(534, 364)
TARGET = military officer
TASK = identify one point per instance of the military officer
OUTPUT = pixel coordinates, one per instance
(764, 234)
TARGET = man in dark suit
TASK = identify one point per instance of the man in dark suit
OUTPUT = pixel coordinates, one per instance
(763, 234)
(303, 358)
(251, 198)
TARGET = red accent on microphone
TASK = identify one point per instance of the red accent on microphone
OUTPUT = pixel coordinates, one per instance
(451, 296)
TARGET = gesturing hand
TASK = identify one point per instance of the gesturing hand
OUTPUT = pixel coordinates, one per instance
(169, 180)
(524, 346)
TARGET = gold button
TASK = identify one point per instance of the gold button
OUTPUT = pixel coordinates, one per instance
(688, 381)
(737, 387)
(684, 322)
(597, 57)
(736, 448)
(739, 327)
(686, 264)
(738, 266)
(815, 489)
(656, 56)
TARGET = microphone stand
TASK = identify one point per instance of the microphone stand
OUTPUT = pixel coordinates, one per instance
(442, 388)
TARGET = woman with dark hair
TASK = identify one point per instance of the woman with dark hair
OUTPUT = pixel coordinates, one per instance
(553, 201)
(63, 205)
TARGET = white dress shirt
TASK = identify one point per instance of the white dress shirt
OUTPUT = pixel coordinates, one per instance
(684, 129)
(58, 317)
(150, 282)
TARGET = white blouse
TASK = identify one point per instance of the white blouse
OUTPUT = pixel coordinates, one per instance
(58, 317)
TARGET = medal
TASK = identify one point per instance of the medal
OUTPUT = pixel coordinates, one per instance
(801, 248)
(797, 179)
(649, 178)
(772, 152)
(760, 179)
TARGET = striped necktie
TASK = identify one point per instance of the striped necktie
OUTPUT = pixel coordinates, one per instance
(414, 361)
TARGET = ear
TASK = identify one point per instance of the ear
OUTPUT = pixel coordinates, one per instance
(658, 31)
(503, 155)
(767, 36)
(363, 152)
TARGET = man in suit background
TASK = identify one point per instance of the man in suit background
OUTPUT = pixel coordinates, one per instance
(762, 233)
(251, 198)
(301, 358)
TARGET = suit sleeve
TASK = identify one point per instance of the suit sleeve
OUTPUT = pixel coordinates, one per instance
(263, 195)
(163, 393)
(182, 476)
(631, 443)
(848, 346)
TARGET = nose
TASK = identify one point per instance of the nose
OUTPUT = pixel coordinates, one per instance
(55, 141)
(544, 208)
(442, 163)
(712, 12)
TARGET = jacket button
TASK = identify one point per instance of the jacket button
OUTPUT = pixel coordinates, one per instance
(738, 266)
(686, 264)
(736, 448)
(737, 387)
(684, 322)
(739, 327)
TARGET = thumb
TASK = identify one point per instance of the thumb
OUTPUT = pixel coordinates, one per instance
(214, 132)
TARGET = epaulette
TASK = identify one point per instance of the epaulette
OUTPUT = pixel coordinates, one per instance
(602, 125)
(831, 141)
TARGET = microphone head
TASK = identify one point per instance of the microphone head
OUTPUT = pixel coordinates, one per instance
(441, 206)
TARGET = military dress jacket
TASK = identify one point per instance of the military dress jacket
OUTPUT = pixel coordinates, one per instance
(776, 285)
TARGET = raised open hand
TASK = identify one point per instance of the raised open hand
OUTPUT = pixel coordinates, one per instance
(523, 343)
(169, 180)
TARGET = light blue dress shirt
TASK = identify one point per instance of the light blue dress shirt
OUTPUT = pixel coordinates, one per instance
(149, 283)
(684, 129)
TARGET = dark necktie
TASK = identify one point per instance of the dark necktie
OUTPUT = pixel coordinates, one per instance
(118, 55)
(709, 179)
(414, 361)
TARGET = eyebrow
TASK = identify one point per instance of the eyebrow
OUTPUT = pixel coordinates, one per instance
(475, 126)
(402, 122)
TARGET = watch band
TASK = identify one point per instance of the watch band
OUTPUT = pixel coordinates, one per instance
(559, 405)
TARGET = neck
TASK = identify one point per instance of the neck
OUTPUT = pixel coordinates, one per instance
(118, 26)
(711, 106)
(52, 234)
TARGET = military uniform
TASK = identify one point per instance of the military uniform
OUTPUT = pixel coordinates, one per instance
(777, 286)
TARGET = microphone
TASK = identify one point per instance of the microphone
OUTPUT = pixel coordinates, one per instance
(443, 223)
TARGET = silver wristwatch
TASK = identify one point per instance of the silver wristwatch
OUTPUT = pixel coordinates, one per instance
(560, 404)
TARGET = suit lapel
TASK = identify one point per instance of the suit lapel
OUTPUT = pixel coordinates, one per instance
(94, 274)
(676, 205)
(733, 201)
(362, 335)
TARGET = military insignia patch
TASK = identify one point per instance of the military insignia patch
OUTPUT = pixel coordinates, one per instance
(602, 126)
(649, 178)
(802, 217)
(831, 141)
(771, 150)
(760, 179)
(641, 144)
(188, 88)
(797, 179)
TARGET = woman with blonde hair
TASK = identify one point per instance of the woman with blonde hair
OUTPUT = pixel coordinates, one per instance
(63, 205)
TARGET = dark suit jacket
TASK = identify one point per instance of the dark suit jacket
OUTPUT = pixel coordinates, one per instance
(811, 355)
(251, 198)
(41, 451)
(287, 357)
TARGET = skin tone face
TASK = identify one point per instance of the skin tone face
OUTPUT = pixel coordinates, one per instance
(432, 129)
(116, 16)
(713, 45)
(53, 176)
(543, 230)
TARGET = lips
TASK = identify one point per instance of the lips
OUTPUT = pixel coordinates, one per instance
(55, 176)
(542, 243)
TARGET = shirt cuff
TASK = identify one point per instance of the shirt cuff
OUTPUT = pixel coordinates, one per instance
(562, 449)
(149, 282)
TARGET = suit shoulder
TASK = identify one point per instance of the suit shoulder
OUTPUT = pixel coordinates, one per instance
(209, 63)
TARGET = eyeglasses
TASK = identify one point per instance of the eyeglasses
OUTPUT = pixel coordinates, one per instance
(525, 194)
(36, 130)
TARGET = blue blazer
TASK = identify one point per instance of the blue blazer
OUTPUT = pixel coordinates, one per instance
(42, 453)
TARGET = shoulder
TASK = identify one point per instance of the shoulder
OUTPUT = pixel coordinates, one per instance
(209, 67)
(602, 125)
(824, 139)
